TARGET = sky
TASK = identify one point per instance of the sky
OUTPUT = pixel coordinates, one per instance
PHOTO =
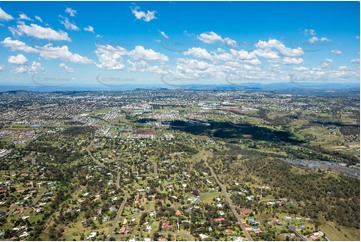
(176, 43)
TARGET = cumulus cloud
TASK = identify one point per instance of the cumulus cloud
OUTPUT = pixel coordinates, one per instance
(35, 67)
(46, 51)
(110, 57)
(315, 39)
(230, 42)
(69, 25)
(139, 53)
(18, 59)
(267, 54)
(357, 60)
(66, 68)
(141, 15)
(336, 52)
(199, 53)
(71, 12)
(289, 60)
(310, 32)
(210, 37)
(15, 45)
(39, 19)
(89, 29)
(23, 16)
(113, 58)
(63, 53)
(189, 65)
(143, 66)
(162, 33)
(34, 30)
(5, 16)
(243, 54)
(301, 68)
(2, 67)
(280, 47)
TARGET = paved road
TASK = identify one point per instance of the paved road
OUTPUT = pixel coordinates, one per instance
(155, 167)
(230, 203)
(38, 197)
(118, 180)
(293, 228)
(116, 221)
(96, 161)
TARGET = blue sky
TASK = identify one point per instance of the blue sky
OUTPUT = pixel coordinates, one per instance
(112, 43)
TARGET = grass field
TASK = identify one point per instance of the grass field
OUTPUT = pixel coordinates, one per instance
(339, 233)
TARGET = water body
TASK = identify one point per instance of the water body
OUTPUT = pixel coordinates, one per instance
(337, 167)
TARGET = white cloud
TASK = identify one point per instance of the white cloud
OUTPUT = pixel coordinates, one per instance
(5, 16)
(230, 42)
(163, 34)
(267, 54)
(46, 51)
(189, 66)
(2, 67)
(71, 12)
(89, 29)
(39, 19)
(24, 17)
(199, 53)
(253, 61)
(69, 25)
(289, 61)
(139, 53)
(63, 53)
(14, 31)
(301, 68)
(315, 39)
(336, 52)
(66, 68)
(18, 59)
(310, 32)
(357, 60)
(224, 57)
(35, 67)
(210, 37)
(98, 36)
(243, 54)
(110, 57)
(280, 47)
(328, 60)
(220, 50)
(17, 45)
(140, 15)
(40, 32)
(143, 66)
